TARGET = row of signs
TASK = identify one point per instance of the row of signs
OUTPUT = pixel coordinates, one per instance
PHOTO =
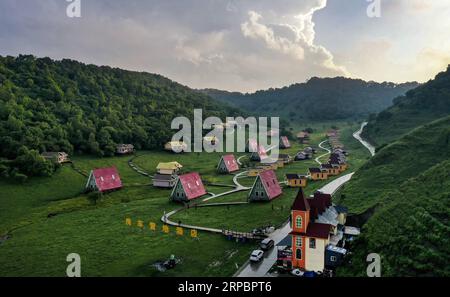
(165, 228)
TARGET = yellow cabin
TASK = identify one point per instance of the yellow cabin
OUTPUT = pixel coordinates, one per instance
(318, 174)
(296, 180)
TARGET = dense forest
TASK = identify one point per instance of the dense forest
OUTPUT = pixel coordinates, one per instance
(48, 105)
(419, 106)
(319, 99)
(403, 197)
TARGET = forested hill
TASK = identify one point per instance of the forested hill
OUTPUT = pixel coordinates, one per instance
(406, 187)
(419, 106)
(48, 105)
(318, 99)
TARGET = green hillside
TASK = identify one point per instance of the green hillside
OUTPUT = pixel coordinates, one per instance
(48, 105)
(419, 106)
(407, 186)
(319, 99)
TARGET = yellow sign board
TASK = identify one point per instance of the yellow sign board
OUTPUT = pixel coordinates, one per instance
(152, 226)
(194, 233)
(180, 231)
(128, 221)
(165, 229)
(140, 224)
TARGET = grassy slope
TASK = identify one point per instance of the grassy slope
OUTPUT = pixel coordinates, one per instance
(410, 232)
(408, 181)
(396, 163)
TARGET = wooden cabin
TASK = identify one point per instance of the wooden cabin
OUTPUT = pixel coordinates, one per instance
(260, 154)
(284, 142)
(296, 180)
(309, 239)
(303, 137)
(265, 187)
(187, 188)
(331, 169)
(176, 146)
(285, 158)
(301, 156)
(164, 180)
(255, 171)
(56, 157)
(104, 180)
(169, 168)
(124, 149)
(318, 174)
(227, 164)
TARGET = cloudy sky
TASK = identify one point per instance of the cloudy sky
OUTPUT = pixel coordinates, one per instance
(241, 45)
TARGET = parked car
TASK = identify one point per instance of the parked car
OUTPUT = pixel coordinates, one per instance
(266, 244)
(256, 256)
(297, 272)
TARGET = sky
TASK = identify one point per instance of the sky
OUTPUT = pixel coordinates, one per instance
(238, 45)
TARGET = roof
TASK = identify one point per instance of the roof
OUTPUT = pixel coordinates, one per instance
(192, 185)
(295, 176)
(287, 241)
(326, 198)
(302, 134)
(341, 209)
(315, 170)
(285, 141)
(252, 145)
(270, 183)
(107, 179)
(317, 230)
(230, 163)
(163, 177)
(169, 166)
(262, 153)
(300, 202)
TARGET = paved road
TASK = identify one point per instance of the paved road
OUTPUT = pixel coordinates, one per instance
(324, 148)
(260, 269)
(357, 135)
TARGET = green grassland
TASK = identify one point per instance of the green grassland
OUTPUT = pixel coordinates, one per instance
(48, 218)
(407, 186)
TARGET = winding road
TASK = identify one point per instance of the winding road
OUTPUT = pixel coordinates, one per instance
(324, 148)
(357, 135)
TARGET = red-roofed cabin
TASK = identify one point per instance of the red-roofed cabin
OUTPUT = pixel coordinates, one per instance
(228, 164)
(252, 146)
(266, 187)
(104, 180)
(260, 155)
(284, 142)
(188, 187)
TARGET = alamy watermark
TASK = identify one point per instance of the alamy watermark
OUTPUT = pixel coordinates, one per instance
(74, 268)
(374, 9)
(73, 9)
(231, 136)
(374, 267)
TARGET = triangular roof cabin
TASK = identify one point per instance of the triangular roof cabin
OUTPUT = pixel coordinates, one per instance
(284, 142)
(104, 180)
(188, 187)
(260, 155)
(266, 187)
(228, 164)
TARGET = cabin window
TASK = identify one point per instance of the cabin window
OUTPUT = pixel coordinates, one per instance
(312, 243)
(189, 185)
(113, 177)
(298, 254)
(333, 258)
(257, 193)
(298, 221)
(197, 182)
(298, 241)
(101, 178)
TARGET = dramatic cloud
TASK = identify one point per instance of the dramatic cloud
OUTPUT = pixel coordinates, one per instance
(236, 44)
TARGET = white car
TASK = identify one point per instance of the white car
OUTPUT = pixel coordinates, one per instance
(256, 256)
(297, 272)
